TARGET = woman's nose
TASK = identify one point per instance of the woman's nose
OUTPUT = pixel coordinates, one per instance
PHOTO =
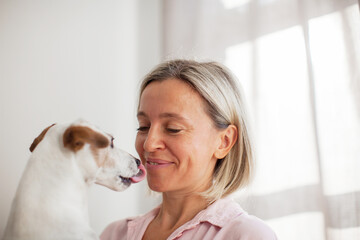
(153, 141)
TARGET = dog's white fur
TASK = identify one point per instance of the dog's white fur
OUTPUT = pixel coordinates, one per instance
(51, 199)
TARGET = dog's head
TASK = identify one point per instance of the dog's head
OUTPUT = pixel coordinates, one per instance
(96, 156)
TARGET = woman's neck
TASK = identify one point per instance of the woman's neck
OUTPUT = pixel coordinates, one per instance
(176, 210)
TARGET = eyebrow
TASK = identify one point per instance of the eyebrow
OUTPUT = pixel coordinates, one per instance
(164, 115)
(141, 114)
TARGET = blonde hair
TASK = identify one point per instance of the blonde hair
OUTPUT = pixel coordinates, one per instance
(225, 105)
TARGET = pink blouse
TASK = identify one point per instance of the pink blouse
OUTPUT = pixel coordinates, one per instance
(224, 219)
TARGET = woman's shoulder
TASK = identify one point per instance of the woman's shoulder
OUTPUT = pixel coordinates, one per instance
(249, 227)
(235, 223)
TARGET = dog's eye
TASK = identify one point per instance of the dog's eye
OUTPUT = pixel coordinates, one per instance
(112, 142)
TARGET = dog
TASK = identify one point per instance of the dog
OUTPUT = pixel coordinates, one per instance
(51, 202)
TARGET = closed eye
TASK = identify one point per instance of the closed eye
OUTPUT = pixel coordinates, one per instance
(173, 130)
(142, 129)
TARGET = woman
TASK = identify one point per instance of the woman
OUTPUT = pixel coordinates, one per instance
(193, 140)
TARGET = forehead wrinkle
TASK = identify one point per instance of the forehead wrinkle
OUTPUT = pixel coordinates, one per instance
(172, 115)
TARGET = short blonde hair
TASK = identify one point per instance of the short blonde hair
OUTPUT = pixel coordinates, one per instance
(225, 105)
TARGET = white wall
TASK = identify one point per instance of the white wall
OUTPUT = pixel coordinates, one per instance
(64, 60)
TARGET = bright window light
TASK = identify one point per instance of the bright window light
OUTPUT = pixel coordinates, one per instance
(338, 118)
(284, 128)
(230, 4)
(293, 226)
(239, 60)
(345, 233)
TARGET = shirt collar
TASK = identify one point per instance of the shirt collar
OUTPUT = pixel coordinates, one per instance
(219, 213)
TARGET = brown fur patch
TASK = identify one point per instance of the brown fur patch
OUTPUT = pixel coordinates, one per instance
(39, 138)
(75, 138)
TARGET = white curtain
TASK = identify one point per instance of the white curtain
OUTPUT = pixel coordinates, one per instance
(298, 61)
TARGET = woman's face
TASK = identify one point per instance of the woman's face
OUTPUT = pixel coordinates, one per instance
(176, 139)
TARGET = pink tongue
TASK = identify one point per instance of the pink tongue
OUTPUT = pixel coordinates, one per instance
(140, 176)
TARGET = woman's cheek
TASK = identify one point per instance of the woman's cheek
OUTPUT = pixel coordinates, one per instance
(139, 143)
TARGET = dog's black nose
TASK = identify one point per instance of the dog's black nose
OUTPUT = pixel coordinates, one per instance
(138, 162)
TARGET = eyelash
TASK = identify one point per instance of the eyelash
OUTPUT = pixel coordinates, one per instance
(169, 130)
(172, 130)
(142, 129)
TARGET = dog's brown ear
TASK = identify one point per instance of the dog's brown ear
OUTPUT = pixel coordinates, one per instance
(75, 138)
(39, 138)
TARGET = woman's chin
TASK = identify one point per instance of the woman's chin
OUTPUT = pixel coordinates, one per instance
(157, 183)
(157, 187)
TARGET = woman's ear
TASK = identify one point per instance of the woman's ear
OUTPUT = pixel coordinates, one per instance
(228, 138)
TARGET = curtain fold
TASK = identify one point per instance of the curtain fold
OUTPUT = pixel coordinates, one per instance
(298, 61)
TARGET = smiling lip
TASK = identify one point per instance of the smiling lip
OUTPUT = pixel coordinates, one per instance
(156, 164)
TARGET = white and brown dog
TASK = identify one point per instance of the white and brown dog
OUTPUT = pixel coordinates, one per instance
(51, 200)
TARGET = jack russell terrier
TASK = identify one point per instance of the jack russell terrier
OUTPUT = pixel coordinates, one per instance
(51, 199)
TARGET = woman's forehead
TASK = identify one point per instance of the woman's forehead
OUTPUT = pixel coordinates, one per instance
(172, 91)
(171, 99)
